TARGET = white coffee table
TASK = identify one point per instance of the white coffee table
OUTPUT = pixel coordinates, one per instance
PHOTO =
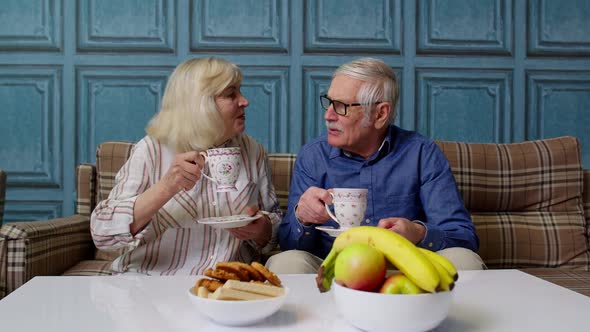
(493, 300)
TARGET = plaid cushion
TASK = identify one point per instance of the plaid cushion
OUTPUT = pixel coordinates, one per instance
(86, 189)
(577, 281)
(2, 194)
(43, 248)
(526, 201)
(110, 157)
(281, 166)
(532, 239)
(90, 268)
(542, 175)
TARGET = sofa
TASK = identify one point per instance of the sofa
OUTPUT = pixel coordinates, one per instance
(2, 193)
(530, 203)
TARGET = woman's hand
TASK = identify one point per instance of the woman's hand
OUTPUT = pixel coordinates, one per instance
(184, 172)
(259, 230)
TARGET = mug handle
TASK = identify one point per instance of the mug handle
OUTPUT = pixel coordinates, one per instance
(204, 154)
(330, 212)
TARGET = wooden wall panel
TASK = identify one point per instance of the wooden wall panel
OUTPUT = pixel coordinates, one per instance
(469, 106)
(116, 104)
(559, 104)
(74, 73)
(557, 27)
(34, 25)
(130, 25)
(353, 26)
(30, 129)
(465, 26)
(245, 25)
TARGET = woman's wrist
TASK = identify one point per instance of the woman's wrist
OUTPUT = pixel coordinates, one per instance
(266, 234)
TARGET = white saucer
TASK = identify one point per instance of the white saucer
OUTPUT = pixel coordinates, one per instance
(229, 221)
(331, 230)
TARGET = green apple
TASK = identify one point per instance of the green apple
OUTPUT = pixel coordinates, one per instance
(360, 266)
(399, 284)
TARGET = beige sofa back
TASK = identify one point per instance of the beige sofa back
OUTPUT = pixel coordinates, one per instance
(526, 199)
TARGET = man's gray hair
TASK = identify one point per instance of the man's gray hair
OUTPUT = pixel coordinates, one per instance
(380, 83)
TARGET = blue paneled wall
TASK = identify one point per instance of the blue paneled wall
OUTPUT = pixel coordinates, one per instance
(77, 73)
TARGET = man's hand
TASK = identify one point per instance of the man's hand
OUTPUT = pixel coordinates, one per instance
(260, 230)
(311, 208)
(412, 231)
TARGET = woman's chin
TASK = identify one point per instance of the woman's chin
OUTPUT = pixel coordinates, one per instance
(240, 128)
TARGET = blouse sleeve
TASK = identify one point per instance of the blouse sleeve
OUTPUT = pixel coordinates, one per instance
(110, 220)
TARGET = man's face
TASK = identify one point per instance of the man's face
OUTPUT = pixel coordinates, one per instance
(351, 132)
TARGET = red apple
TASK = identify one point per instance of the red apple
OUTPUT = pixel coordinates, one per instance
(360, 266)
(399, 284)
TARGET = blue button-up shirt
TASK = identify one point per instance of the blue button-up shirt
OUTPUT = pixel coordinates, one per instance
(408, 177)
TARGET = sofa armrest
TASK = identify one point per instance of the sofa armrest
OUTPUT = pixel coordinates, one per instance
(2, 193)
(85, 189)
(40, 248)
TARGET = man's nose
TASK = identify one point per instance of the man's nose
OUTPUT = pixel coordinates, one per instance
(330, 114)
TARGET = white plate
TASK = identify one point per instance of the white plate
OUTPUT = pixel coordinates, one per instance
(331, 230)
(229, 221)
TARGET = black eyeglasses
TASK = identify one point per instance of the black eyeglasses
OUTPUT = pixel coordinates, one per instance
(339, 107)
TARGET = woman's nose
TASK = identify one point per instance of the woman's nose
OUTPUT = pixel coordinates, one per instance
(243, 101)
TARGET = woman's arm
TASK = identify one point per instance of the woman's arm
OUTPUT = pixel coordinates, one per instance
(134, 200)
(183, 174)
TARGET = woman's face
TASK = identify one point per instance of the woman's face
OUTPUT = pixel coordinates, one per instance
(231, 105)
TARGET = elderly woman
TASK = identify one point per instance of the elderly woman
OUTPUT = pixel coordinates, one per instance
(159, 194)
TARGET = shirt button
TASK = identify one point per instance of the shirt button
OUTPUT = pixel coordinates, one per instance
(430, 245)
(306, 233)
(368, 221)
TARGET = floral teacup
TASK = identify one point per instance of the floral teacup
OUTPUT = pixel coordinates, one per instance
(224, 166)
(350, 206)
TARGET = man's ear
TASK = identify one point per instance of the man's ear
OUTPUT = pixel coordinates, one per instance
(382, 115)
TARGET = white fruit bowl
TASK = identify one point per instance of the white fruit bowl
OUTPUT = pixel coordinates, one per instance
(237, 313)
(391, 312)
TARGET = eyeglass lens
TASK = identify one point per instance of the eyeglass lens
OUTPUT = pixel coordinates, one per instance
(339, 107)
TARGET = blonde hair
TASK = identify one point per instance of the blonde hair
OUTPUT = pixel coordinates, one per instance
(380, 83)
(188, 119)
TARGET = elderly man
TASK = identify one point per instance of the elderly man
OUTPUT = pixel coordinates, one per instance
(411, 187)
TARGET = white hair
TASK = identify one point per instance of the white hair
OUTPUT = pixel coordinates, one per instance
(380, 83)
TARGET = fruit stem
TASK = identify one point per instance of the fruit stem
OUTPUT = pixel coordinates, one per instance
(326, 272)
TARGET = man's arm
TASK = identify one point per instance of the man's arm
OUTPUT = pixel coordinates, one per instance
(293, 234)
(448, 224)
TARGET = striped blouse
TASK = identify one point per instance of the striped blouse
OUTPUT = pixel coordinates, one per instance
(173, 243)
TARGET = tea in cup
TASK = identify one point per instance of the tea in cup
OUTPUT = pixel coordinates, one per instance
(350, 206)
(224, 166)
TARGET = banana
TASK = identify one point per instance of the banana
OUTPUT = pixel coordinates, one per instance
(403, 254)
(443, 261)
(446, 281)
